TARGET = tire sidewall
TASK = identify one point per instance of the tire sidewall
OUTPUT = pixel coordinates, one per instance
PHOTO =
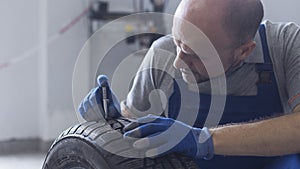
(71, 152)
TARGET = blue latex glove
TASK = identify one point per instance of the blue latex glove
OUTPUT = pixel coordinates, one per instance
(91, 108)
(159, 136)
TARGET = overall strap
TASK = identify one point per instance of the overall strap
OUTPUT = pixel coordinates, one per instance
(265, 70)
(267, 84)
(263, 36)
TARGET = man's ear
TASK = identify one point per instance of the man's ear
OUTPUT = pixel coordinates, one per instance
(242, 52)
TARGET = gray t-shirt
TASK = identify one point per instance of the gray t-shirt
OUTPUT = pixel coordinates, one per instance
(153, 84)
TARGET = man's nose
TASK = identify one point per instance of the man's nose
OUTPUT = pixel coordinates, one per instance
(180, 61)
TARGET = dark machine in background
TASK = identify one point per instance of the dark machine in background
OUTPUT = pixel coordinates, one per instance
(153, 25)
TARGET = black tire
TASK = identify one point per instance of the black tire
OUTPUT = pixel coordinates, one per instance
(84, 146)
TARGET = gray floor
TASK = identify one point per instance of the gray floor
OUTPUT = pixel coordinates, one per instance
(24, 161)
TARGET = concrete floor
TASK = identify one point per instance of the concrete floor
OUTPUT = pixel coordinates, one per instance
(24, 161)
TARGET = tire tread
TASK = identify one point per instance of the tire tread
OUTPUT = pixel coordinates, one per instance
(108, 136)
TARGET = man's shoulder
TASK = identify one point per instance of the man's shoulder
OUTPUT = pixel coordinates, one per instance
(163, 54)
(281, 30)
(163, 51)
(165, 43)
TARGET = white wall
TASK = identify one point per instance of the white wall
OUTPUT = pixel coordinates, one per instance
(19, 82)
(282, 11)
(20, 115)
(62, 55)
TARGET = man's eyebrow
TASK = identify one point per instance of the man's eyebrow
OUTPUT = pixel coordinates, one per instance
(177, 44)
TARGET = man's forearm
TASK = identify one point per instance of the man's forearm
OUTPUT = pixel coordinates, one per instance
(272, 137)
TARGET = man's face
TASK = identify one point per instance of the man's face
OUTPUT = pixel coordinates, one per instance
(195, 62)
(203, 49)
(189, 64)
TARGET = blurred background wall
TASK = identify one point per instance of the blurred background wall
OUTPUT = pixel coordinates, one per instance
(36, 95)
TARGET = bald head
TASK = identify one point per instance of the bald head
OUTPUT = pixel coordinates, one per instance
(242, 19)
(238, 19)
(209, 31)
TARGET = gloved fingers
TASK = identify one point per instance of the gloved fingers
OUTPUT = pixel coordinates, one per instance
(86, 103)
(170, 146)
(151, 142)
(95, 96)
(102, 80)
(113, 111)
(88, 115)
(158, 152)
(87, 110)
(151, 118)
(138, 123)
(134, 124)
(95, 100)
(81, 109)
(146, 130)
(156, 119)
(145, 120)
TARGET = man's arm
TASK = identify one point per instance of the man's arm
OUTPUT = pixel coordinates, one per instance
(153, 83)
(272, 137)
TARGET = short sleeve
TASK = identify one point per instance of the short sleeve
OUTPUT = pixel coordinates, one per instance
(292, 64)
(153, 83)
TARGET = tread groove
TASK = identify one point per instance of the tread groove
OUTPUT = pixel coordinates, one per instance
(83, 127)
(74, 129)
(92, 128)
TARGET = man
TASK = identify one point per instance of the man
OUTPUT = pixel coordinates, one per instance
(260, 125)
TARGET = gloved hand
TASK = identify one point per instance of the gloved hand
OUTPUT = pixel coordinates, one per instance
(159, 136)
(92, 108)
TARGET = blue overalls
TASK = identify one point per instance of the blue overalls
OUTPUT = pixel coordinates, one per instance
(239, 109)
